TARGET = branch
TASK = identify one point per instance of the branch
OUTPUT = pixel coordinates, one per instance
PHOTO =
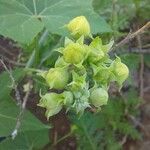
(139, 124)
(123, 141)
(132, 35)
(62, 138)
(6, 51)
(20, 102)
(14, 85)
(22, 109)
(141, 73)
(140, 51)
(12, 62)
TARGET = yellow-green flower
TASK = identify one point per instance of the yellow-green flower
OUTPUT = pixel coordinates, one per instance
(57, 78)
(95, 55)
(99, 97)
(52, 102)
(74, 53)
(120, 70)
(79, 26)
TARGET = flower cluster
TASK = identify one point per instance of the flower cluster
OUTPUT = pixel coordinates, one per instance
(83, 72)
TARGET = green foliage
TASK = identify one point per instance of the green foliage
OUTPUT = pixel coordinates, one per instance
(147, 60)
(120, 13)
(41, 26)
(32, 134)
(28, 140)
(132, 61)
(142, 9)
(104, 130)
(22, 20)
(41, 52)
(6, 80)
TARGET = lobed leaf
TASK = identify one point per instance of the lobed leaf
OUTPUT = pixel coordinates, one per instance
(22, 20)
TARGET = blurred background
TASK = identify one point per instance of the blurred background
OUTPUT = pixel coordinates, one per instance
(122, 124)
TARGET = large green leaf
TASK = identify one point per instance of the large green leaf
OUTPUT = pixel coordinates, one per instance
(22, 20)
(32, 132)
(8, 114)
(6, 83)
(26, 141)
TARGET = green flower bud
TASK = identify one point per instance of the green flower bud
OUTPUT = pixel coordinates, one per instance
(79, 26)
(95, 55)
(102, 76)
(74, 53)
(81, 100)
(99, 97)
(52, 102)
(68, 98)
(120, 70)
(42, 74)
(97, 44)
(60, 62)
(78, 82)
(57, 78)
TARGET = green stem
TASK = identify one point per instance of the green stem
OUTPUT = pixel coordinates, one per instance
(34, 58)
(61, 139)
(33, 70)
(31, 60)
(37, 52)
(114, 18)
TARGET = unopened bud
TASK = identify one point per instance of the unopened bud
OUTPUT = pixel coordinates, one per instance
(79, 26)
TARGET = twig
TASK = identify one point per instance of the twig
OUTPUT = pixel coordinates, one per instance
(132, 35)
(134, 50)
(18, 98)
(114, 16)
(55, 137)
(141, 51)
(6, 51)
(138, 124)
(123, 141)
(146, 46)
(61, 139)
(22, 108)
(12, 62)
(146, 89)
(141, 67)
(14, 85)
